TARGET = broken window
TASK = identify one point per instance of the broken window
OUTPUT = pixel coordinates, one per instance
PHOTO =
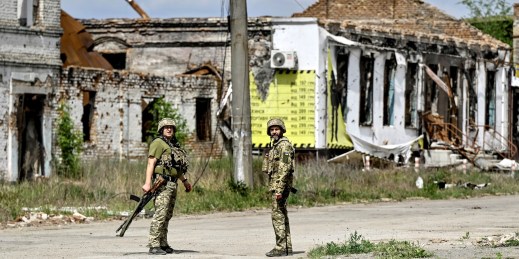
(366, 90)
(88, 112)
(148, 117)
(342, 79)
(490, 100)
(411, 95)
(339, 90)
(28, 12)
(431, 91)
(203, 119)
(472, 96)
(117, 60)
(389, 91)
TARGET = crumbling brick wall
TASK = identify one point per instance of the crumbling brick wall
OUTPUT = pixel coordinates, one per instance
(117, 117)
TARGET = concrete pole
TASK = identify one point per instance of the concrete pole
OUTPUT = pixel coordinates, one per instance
(241, 118)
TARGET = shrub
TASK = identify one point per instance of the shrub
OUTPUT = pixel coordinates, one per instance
(70, 141)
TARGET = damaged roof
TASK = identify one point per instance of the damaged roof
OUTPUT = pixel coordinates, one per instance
(409, 18)
(77, 44)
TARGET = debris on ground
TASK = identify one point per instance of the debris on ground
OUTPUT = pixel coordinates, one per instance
(500, 240)
(467, 185)
(43, 219)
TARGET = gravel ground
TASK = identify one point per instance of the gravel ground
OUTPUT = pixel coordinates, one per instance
(448, 228)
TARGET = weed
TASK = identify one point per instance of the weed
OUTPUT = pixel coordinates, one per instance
(355, 245)
(401, 249)
(511, 242)
(466, 236)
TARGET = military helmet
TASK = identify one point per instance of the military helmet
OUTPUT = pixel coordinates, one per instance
(276, 122)
(166, 122)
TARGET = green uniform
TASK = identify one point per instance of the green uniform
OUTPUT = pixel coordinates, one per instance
(280, 168)
(166, 194)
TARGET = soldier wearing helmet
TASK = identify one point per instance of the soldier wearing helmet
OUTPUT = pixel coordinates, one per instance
(167, 160)
(279, 164)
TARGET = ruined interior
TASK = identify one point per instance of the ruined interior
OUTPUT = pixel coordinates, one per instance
(447, 71)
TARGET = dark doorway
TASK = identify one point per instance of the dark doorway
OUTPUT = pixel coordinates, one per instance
(30, 117)
(203, 119)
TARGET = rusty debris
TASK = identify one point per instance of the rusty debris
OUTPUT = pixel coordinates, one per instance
(77, 44)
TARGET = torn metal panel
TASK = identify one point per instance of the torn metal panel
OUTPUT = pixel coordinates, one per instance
(77, 44)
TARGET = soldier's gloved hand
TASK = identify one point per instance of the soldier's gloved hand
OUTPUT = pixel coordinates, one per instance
(187, 185)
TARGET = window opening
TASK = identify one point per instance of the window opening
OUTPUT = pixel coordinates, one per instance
(203, 119)
(147, 130)
(389, 91)
(88, 112)
(431, 91)
(28, 12)
(366, 90)
(411, 95)
(472, 96)
(117, 60)
(490, 100)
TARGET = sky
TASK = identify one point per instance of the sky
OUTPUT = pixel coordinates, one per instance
(101, 9)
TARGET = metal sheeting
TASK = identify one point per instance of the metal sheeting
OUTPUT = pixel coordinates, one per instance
(77, 44)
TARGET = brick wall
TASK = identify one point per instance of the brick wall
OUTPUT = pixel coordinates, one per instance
(117, 118)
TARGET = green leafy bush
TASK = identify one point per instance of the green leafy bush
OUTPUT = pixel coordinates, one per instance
(160, 109)
(70, 141)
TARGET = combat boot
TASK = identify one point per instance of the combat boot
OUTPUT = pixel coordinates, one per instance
(167, 249)
(277, 253)
(157, 251)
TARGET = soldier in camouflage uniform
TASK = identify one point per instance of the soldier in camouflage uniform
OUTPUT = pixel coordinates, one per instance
(167, 160)
(279, 165)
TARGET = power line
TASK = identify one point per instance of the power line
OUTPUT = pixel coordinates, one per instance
(302, 7)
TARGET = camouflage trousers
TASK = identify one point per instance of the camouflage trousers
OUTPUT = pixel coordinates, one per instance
(281, 224)
(164, 205)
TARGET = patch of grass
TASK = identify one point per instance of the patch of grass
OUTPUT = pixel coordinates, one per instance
(511, 242)
(109, 182)
(401, 249)
(355, 245)
(358, 245)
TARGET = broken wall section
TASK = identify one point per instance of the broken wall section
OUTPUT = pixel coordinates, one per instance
(109, 106)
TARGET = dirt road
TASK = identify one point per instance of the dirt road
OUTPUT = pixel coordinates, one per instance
(447, 228)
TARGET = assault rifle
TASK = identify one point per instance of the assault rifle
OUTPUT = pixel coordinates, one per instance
(142, 202)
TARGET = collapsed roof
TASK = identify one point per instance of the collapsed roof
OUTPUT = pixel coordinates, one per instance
(399, 19)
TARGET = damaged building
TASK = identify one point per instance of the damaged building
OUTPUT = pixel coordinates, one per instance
(412, 70)
(376, 76)
(49, 60)
(29, 72)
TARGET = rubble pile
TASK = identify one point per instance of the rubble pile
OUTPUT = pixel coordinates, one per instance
(44, 219)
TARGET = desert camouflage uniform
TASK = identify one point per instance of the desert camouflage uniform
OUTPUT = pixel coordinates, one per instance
(280, 168)
(173, 157)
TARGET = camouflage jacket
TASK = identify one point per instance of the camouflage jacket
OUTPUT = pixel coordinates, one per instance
(280, 165)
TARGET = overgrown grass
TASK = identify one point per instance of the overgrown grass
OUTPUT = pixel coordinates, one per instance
(108, 183)
(358, 245)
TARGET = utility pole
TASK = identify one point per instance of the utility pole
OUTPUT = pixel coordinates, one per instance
(241, 121)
